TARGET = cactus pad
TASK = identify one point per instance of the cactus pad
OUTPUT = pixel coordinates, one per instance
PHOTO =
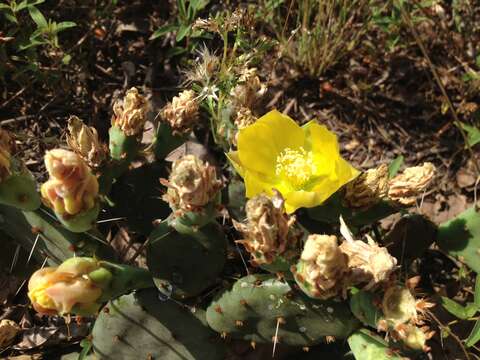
(255, 305)
(140, 326)
(189, 262)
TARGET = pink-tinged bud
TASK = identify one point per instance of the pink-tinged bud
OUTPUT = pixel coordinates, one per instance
(68, 286)
(130, 114)
(72, 188)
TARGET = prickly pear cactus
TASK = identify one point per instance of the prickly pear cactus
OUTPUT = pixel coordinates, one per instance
(186, 263)
(259, 308)
(145, 326)
(19, 190)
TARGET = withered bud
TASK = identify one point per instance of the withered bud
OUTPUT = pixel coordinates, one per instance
(367, 262)
(8, 331)
(204, 69)
(407, 186)
(183, 112)
(412, 337)
(84, 141)
(268, 231)
(322, 267)
(7, 146)
(368, 188)
(192, 184)
(130, 114)
(249, 89)
(399, 306)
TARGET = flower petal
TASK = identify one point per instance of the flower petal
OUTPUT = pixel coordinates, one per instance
(234, 159)
(256, 184)
(259, 144)
(298, 199)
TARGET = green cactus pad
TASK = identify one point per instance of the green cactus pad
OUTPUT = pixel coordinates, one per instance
(80, 222)
(60, 243)
(367, 346)
(165, 141)
(141, 326)
(122, 147)
(255, 305)
(189, 261)
(20, 191)
(460, 237)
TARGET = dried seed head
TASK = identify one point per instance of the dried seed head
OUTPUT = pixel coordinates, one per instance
(130, 114)
(368, 188)
(322, 266)
(249, 89)
(406, 187)
(192, 184)
(268, 232)
(399, 305)
(71, 188)
(205, 68)
(368, 262)
(182, 113)
(7, 146)
(84, 141)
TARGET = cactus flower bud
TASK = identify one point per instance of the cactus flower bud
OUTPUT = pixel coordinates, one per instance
(407, 186)
(130, 114)
(322, 267)
(399, 306)
(192, 184)
(84, 141)
(248, 90)
(268, 232)
(183, 112)
(71, 188)
(368, 188)
(368, 262)
(58, 290)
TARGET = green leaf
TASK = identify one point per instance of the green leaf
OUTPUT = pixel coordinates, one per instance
(362, 304)
(175, 51)
(24, 4)
(474, 336)
(395, 166)
(473, 134)
(461, 312)
(366, 345)
(182, 32)
(162, 31)
(65, 25)
(476, 296)
(38, 17)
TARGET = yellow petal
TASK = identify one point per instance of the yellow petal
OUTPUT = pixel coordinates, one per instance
(298, 199)
(235, 161)
(256, 184)
(260, 143)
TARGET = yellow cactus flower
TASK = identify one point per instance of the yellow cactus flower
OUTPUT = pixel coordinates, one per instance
(72, 188)
(302, 162)
(55, 290)
(6, 147)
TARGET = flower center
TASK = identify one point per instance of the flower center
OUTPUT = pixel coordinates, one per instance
(296, 166)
